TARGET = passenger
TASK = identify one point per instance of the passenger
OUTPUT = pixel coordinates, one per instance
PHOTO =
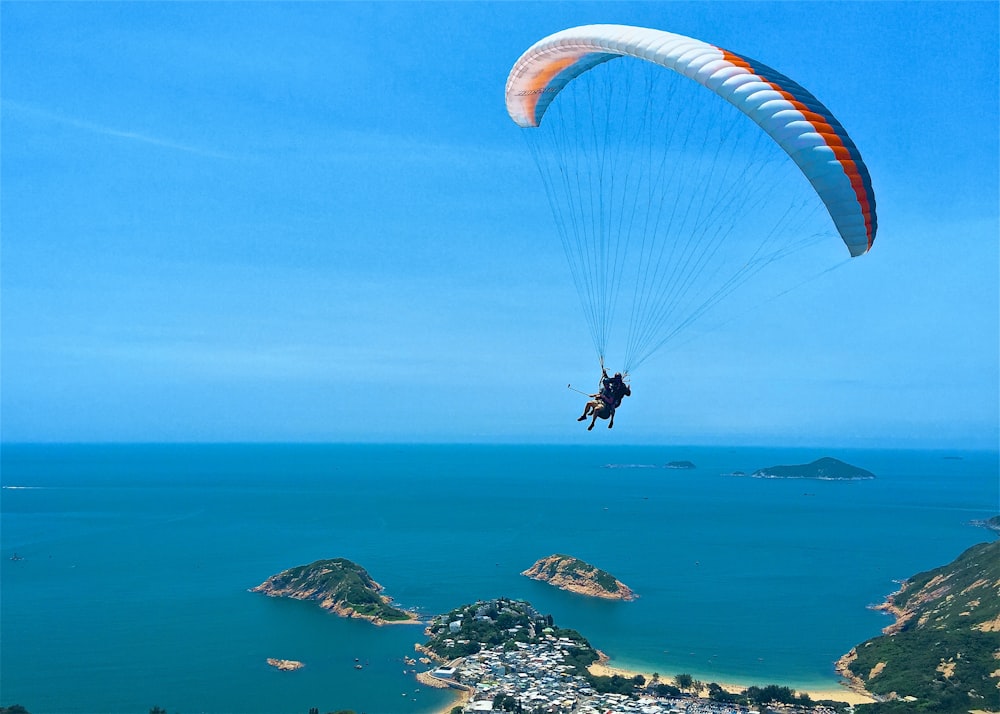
(608, 398)
(619, 390)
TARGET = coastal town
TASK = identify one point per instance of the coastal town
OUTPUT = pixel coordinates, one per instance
(536, 668)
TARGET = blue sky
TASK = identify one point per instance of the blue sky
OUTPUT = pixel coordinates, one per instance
(315, 222)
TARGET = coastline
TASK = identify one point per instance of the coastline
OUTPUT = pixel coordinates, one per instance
(38, 629)
(463, 694)
(412, 621)
(460, 701)
(844, 693)
(462, 697)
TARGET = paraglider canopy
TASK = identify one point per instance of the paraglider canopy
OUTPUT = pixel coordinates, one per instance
(662, 191)
(790, 115)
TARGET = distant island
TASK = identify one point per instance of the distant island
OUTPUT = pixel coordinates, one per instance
(825, 469)
(992, 524)
(337, 585)
(572, 574)
(285, 665)
(940, 653)
(681, 465)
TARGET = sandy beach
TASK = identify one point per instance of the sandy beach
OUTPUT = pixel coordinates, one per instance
(461, 699)
(462, 696)
(603, 668)
(841, 694)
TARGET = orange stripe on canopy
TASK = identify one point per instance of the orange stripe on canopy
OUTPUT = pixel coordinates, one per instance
(536, 86)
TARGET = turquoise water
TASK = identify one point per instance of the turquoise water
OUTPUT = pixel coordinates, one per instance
(132, 591)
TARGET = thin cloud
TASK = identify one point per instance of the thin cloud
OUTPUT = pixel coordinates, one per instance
(95, 128)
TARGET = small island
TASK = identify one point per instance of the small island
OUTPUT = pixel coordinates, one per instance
(681, 465)
(337, 585)
(285, 665)
(572, 574)
(825, 469)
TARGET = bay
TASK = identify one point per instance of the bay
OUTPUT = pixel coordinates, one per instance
(132, 591)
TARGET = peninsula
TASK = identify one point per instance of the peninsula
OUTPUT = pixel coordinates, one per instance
(505, 655)
(338, 585)
(825, 469)
(572, 574)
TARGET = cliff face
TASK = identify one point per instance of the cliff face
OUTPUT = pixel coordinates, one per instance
(337, 585)
(944, 647)
(568, 573)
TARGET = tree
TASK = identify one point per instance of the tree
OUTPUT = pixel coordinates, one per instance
(770, 693)
(505, 702)
(717, 694)
(665, 690)
(683, 681)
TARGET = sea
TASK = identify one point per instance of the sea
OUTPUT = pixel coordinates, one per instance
(125, 571)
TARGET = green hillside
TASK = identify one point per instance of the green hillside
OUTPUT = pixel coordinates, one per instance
(337, 584)
(825, 469)
(943, 652)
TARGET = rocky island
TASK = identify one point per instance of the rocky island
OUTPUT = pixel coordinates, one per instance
(285, 665)
(573, 574)
(338, 585)
(681, 465)
(825, 469)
